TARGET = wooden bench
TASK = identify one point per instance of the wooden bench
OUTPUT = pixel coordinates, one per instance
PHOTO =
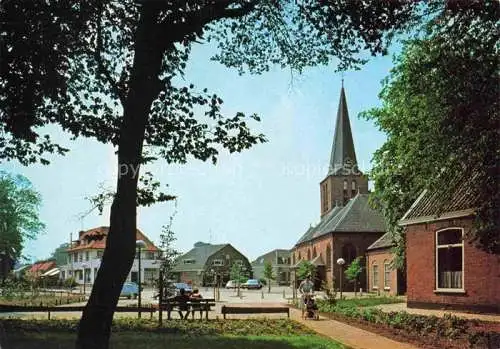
(192, 306)
(228, 309)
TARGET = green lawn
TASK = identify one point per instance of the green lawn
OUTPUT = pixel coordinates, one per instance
(131, 340)
(131, 333)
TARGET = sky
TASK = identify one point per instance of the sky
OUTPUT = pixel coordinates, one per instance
(258, 200)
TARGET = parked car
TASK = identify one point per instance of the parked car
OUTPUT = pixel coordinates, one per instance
(130, 290)
(169, 290)
(187, 288)
(232, 284)
(252, 284)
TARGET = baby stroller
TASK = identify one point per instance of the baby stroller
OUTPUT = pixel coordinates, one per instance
(310, 308)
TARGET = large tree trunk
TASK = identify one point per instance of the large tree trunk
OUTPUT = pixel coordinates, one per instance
(95, 325)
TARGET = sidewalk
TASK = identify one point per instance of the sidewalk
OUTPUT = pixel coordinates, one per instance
(352, 337)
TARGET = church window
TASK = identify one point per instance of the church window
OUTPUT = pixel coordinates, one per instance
(328, 256)
(314, 252)
(353, 188)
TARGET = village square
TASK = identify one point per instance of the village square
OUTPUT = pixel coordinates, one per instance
(339, 197)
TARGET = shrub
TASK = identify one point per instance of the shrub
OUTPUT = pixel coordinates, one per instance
(70, 283)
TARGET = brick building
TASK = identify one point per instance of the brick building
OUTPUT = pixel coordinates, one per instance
(444, 268)
(348, 224)
(382, 277)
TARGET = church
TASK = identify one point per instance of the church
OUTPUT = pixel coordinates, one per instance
(348, 224)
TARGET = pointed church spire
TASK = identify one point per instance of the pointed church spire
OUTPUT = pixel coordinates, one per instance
(343, 158)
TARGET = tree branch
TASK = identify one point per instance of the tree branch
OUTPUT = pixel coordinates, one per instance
(101, 68)
(195, 21)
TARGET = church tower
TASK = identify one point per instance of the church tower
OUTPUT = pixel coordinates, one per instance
(344, 180)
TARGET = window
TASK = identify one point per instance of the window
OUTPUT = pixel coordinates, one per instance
(387, 275)
(86, 255)
(150, 255)
(314, 252)
(189, 261)
(328, 256)
(323, 197)
(80, 275)
(80, 257)
(300, 256)
(308, 255)
(99, 253)
(293, 259)
(353, 188)
(240, 262)
(449, 258)
(346, 195)
(75, 256)
(218, 262)
(375, 276)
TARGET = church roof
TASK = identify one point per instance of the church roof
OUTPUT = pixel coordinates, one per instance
(357, 216)
(343, 154)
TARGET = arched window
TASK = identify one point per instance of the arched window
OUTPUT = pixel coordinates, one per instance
(293, 259)
(328, 255)
(300, 257)
(314, 252)
(374, 275)
(354, 188)
(346, 193)
(387, 274)
(348, 253)
(308, 254)
(449, 259)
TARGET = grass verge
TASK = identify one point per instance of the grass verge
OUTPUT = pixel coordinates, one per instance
(175, 334)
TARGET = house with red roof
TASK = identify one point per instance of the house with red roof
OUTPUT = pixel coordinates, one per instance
(39, 268)
(84, 258)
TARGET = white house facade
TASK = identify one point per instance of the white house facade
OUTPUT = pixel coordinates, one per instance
(85, 254)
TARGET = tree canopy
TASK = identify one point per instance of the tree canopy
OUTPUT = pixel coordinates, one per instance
(440, 112)
(70, 63)
(19, 214)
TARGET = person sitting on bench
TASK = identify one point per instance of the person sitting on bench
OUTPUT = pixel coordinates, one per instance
(182, 298)
(196, 295)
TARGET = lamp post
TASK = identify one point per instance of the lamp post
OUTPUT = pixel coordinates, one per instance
(139, 244)
(341, 263)
(84, 266)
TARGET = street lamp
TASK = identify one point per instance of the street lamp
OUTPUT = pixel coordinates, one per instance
(84, 266)
(341, 263)
(139, 244)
